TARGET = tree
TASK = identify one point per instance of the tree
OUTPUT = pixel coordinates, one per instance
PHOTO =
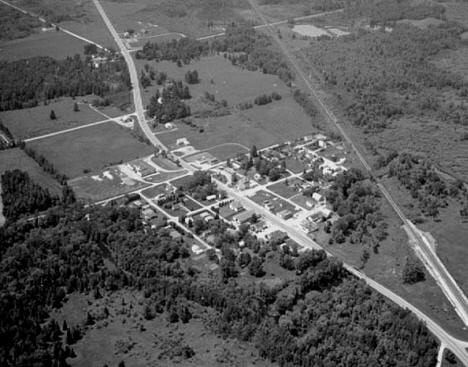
(52, 115)
(253, 151)
(191, 77)
(76, 108)
(90, 49)
(413, 271)
(256, 267)
(365, 255)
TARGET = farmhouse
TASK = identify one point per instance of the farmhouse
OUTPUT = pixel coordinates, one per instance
(182, 142)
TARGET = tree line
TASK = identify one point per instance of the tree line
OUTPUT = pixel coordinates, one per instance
(27, 82)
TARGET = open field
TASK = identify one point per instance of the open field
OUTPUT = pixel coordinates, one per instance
(454, 61)
(52, 43)
(219, 77)
(457, 11)
(124, 335)
(191, 18)
(283, 190)
(31, 122)
(261, 126)
(164, 163)
(164, 176)
(17, 159)
(104, 185)
(90, 149)
(220, 152)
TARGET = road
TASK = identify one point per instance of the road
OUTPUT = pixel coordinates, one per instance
(440, 273)
(136, 91)
(457, 346)
(53, 25)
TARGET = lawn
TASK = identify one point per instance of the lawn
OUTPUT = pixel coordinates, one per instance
(219, 77)
(90, 149)
(104, 185)
(55, 44)
(165, 163)
(31, 122)
(16, 159)
(154, 191)
(164, 176)
(283, 190)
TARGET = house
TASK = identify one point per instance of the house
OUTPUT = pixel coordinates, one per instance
(278, 236)
(211, 197)
(322, 143)
(236, 165)
(206, 216)
(169, 125)
(182, 142)
(257, 176)
(285, 214)
(317, 197)
(236, 206)
(175, 235)
(320, 215)
(148, 214)
(196, 249)
(242, 217)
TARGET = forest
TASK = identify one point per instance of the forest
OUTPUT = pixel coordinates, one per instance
(168, 105)
(424, 184)
(26, 83)
(357, 203)
(14, 24)
(242, 45)
(322, 317)
(375, 74)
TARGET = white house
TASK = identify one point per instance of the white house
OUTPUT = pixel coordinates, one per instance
(211, 197)
(169, 125)
(182, 142)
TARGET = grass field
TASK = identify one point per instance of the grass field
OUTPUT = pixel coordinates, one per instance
(283, 190)
(104, 185)
(54, 44)
(164, 176)
(31, 122)
(457, 11)
(16, 159)
(260, 126)
(126, 336)
(91, 149)
(219, 77)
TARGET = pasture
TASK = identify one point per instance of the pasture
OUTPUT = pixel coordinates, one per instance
(90, 149)
(17, 159)
(51, 43)
(31, 122)
(218, 77)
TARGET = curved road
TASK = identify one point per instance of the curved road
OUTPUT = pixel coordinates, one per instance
(457, 346)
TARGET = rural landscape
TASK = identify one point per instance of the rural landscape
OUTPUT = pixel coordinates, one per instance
(234, 183)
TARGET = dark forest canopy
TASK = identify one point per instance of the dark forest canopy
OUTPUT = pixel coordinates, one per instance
(383, 75)
(14, 24)
(323, 317)
(25, 83)
(242, 44)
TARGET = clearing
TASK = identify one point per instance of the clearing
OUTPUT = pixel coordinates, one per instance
(218, 77)
(32, 122)
(17, 159)
(90, 149)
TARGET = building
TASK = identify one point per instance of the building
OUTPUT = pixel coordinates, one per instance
(285, 214)
(242, 217)
(175, 235)
(236, 206)
(169, 125)
(182, 142)
(148, 214)
(317, 197)
(277, 236)
(211, 197)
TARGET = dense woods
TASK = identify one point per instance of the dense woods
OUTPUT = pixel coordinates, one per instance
(357, 202)
(22, 196)
(324, 316)
(168, 105)
(28, 82)
(242, 45)
(424, 184)
(375, 74)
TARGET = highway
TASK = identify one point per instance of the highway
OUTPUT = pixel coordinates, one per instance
(440, 273)
(137, 100)
(457, 346)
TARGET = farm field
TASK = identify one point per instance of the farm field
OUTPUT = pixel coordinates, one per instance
(219, 77)
(261, 126)
(51, 43)
(90, 149)
(32, 122)
(17, 159)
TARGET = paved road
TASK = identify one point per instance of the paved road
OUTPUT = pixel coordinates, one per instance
(440, 273)
(137, 100)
